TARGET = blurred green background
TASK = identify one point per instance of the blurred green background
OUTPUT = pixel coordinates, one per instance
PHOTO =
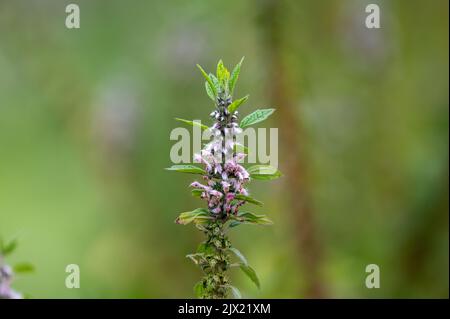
(85, 117)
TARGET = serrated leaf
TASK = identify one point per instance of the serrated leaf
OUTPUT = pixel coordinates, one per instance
(235, 292)
(23, 268)
(199, 289)
(209, 91)
(234, 76)
(264, 172)
(193, 123)
(208, 79)
(187, 169)
(248, 199)
(235, 105)
(256, 117)
(250, 274)
(199, 215)
(238, 255)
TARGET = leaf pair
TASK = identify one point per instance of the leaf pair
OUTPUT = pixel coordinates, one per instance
(222, 82)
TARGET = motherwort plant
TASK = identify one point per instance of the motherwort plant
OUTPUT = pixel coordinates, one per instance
(223, 186)
(7, 272)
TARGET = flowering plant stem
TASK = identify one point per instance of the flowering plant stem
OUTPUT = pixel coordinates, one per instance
(224, 187)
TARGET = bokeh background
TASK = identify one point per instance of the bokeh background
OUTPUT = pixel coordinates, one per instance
(85, 117)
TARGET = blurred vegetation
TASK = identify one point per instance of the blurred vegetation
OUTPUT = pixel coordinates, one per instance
(85, 117)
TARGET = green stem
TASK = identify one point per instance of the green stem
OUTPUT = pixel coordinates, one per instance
(215, 281)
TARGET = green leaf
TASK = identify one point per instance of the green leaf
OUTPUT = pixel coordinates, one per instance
(248, 199)
(199, 215)
(264, 172)
(235, 105)
(187, 169)
(197, 192)
(234, 76)
(206, 249)
(209, 91)
(234, 223)
(199, 289)
(250, 274)
(9, 247)
(250, 218)
(208, 79)
(256, 117)
(235, 292)
(23, 268)
(193, 123)
(223, 75)
(238, 255)
(215, 82)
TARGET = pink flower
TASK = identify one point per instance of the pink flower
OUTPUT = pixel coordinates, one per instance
(198, 158)
(216, 193)
(218, 169)
(225, 186)
(243, 191)
(240, 156)
(198, 185)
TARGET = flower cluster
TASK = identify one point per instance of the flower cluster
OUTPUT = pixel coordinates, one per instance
(223, 187)
(223, 181)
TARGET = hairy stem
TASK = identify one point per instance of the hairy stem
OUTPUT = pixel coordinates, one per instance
(215, 280)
